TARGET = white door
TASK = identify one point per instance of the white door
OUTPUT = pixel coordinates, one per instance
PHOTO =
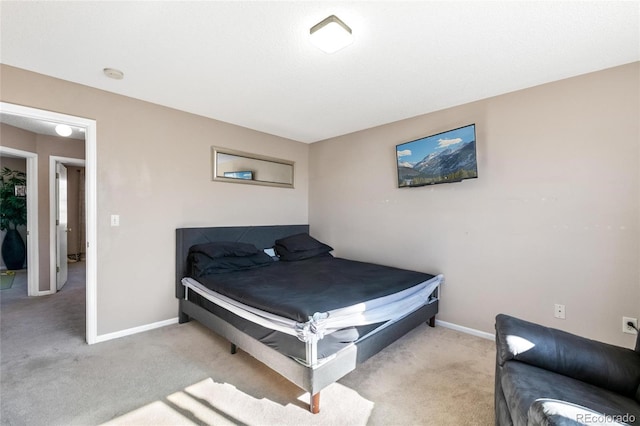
(61, 225)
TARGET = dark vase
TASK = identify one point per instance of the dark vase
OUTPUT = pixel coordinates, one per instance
(13, 250)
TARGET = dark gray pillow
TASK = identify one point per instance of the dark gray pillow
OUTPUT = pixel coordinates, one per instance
(224, 248)
(300, 247)
(201, 264)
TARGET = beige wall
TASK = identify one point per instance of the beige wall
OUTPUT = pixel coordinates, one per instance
(553, 217)
(18, 164)
(16, 138)
(154, 170)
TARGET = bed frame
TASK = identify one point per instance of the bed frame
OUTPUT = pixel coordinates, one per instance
(311, 378)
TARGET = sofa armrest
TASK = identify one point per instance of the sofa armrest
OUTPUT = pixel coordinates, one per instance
(600, 364)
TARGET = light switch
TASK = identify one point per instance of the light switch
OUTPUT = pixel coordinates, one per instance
(115, 220)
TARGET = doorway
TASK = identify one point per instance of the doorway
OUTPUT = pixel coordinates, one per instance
(90, 204)
(31, 236)
(65, 222)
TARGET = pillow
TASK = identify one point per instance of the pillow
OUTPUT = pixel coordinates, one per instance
(201, 264)
(300, 242)
(224, 248)
(299, 247)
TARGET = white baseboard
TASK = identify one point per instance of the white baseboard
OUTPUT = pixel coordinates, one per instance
(134, 330)
(147, 327)
(467, 330)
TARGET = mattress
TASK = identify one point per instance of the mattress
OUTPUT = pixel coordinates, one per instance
(317, 297)
(298, 290)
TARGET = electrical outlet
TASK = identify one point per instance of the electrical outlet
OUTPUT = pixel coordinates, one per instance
(115, 220)
(559, 311)
(628, 329)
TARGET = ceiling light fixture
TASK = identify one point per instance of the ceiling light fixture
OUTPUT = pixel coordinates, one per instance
(113, 73)
(331, 34)
(63, 130)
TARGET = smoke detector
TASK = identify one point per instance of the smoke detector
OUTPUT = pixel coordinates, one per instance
(113, 73)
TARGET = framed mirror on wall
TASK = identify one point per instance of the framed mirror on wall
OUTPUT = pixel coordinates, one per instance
(233, 166)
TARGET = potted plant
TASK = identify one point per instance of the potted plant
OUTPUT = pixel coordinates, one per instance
(13, 213)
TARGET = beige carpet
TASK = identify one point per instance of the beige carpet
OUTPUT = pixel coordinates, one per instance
(430, 377)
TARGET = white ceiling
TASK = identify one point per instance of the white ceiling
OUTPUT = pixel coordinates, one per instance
(40, 127)
(251, 63)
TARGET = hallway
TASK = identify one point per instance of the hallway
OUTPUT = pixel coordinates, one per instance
(37, 324)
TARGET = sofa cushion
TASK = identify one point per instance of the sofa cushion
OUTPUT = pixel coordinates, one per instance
(607, 366)
(523, 384)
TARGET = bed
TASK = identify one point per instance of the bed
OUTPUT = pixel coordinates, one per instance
(266, 309)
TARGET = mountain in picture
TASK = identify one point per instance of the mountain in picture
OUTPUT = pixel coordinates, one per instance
(449, 158)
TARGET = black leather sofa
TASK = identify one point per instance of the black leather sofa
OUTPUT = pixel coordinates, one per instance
(546, 376)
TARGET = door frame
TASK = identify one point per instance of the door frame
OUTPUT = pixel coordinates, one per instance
(33, 258)
(91, 203)
(53, 248)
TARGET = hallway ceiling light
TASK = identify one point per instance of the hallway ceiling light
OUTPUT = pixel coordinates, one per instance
(331, 34)
(63, 130)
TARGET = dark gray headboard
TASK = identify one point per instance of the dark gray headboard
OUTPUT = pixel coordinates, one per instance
(260, 236)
